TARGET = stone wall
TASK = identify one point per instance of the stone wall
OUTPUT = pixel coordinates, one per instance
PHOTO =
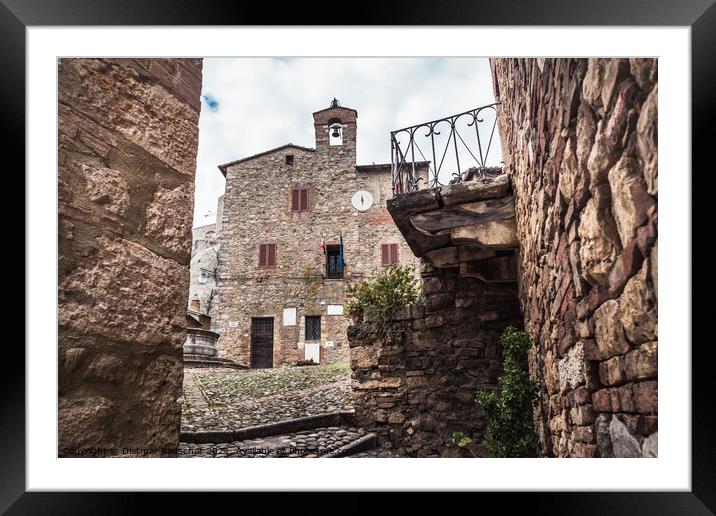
(127, 154)
(257, 210)
(579, 138)
(416, 391)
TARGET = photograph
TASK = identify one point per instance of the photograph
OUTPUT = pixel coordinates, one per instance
(357, 257)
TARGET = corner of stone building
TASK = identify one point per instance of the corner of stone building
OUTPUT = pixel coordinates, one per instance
(124, 165)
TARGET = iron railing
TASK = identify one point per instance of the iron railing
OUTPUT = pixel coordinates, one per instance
(469, 153)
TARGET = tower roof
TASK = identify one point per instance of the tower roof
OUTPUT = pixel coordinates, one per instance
(335, 104)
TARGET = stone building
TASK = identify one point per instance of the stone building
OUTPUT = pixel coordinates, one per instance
(204, 263)
(281, 281)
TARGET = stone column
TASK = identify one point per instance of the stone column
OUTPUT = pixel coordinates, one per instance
(128, 140)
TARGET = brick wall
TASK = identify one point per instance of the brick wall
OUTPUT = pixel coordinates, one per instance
(127, 154)
(580, 140)
(417, 390)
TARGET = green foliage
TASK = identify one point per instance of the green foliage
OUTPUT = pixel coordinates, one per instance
(509, 411)
(379, 300)
(461, 439)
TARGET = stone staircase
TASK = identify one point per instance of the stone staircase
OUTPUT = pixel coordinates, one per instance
(324, 435)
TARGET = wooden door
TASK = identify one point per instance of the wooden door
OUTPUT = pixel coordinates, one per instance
(261, 342)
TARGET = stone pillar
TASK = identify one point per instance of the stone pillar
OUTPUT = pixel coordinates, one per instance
(579, 137)
(128, 140)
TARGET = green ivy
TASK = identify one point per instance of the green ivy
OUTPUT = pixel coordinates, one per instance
(509, 412)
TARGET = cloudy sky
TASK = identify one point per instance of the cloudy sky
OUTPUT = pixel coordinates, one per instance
(254, 104)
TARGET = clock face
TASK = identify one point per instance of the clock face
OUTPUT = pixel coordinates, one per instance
(362, 200)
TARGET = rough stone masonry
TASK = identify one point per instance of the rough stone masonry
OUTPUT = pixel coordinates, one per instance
(416, 390)
(258, 209)
(579, 139)
(128, 140)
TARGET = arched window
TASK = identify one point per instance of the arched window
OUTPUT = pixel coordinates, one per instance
(335, 132)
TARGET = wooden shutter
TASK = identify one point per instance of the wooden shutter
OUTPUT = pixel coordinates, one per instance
(271, 255)
(295, 201)
(304, 199)
(262, 255)
(393, 254)
(385, 254)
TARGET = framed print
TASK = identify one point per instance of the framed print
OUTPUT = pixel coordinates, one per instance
(427, 241)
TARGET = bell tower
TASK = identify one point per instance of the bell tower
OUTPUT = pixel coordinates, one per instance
(336, 131)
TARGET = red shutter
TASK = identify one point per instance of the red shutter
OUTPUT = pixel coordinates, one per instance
(271, 255)
(262, 255)
(393, 254)
(385, 254)
(295, 205)
(304, 199)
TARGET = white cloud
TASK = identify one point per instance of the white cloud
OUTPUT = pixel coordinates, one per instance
(264, 103)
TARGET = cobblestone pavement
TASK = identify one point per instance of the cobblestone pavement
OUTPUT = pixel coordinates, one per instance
(306, 444)
(376, 453)
(228, 399)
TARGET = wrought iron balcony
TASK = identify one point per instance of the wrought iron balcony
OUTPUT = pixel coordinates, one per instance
(455, 148)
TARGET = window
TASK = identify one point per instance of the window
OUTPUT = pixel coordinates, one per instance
(389, 254)
(299, 199)
(289, 159)
(267, 255)
(313, 327)
(334, 264)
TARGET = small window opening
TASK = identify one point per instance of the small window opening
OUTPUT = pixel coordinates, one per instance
(313, 327)
(289, 159)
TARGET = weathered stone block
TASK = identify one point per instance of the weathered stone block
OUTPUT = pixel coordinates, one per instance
(582, 415)
(599, 244)
(612, 371)
(641, 363)
(630, 200)
(624, 444)
(363, 357)
(638, 312)
(584, 434)
(609, 333)
(601, 400)
(645, 397)
(571, 369)
(647, 140)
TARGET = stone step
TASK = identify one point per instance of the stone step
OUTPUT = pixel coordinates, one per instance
(325, 442)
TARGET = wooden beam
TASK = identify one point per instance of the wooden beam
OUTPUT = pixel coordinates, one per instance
(501, 234)
(441, 222)
(470, 191)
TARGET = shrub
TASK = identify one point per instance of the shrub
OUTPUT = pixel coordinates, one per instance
(378, 301)
(509, 412)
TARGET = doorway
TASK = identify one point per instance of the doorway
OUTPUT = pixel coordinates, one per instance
(261, 342)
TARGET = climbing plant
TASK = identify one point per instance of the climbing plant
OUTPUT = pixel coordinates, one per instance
(509, 411)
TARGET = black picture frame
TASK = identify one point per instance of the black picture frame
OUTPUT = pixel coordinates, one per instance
(17, 15)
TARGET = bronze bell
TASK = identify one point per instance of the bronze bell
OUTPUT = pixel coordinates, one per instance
(335, 133)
